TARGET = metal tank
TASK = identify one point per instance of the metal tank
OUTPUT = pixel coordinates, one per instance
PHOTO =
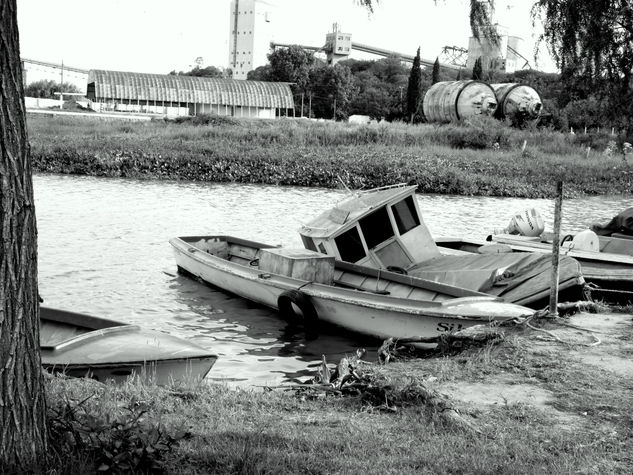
(517, 102)
(450, 101)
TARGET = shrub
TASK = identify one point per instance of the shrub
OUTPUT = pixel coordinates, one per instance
(478, 133)
(121, 443)
(206, 119)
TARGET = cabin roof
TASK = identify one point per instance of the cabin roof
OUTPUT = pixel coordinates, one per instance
(341, 217)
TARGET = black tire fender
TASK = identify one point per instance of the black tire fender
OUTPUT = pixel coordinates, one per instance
(308, 315)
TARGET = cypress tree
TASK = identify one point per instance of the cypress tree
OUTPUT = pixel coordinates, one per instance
(477, 70)
(436, 71)
(414, 90)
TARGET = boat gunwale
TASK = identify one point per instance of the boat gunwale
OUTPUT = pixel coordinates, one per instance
(419, 307)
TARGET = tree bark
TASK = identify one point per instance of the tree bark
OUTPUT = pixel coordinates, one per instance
(22, 399)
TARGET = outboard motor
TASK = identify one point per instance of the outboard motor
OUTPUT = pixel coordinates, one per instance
(525, 223)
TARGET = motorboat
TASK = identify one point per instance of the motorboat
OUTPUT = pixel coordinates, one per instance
(82, 345)
(315, 290)
(383, 228)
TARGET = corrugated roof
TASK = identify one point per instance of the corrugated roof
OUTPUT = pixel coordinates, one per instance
(190, 89)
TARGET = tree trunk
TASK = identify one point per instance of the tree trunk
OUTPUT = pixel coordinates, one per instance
(22, 399)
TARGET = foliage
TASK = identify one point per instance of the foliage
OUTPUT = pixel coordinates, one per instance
(205, 119)
(459, 158)
(591, 44)
(435, 76)
(331, 89)
(479, 132)
(47, 88)
(379, 87)
(477, 70)
(121, 443)
(414, 89)
(208, 72)
(292, 64)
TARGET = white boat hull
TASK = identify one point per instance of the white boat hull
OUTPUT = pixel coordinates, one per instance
(373, 314)
(85, 346)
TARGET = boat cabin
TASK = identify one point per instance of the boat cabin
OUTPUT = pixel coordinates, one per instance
(378, 228)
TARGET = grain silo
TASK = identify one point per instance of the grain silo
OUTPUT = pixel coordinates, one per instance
(517, 102)
(451, 101)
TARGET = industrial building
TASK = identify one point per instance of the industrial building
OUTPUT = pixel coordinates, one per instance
(187, 95)
(498, 56)
(250, 35)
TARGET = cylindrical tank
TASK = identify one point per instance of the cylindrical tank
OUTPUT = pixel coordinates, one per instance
(450, 101)
(517, 102)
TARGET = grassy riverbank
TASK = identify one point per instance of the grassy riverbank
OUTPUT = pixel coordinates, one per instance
(481, 158)
(552, 401)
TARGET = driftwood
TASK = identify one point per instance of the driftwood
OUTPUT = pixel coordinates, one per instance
(443, 344)
(349, 379)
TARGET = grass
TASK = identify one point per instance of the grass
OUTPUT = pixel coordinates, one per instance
(584, 427)
(482, 157)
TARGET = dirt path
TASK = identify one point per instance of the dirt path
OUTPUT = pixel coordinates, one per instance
(603, 341)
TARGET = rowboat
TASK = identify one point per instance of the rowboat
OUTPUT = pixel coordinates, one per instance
(86, 346)
(314, 290)
(383, 228)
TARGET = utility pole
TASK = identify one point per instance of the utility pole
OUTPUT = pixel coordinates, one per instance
(334, 114)
(302, 94)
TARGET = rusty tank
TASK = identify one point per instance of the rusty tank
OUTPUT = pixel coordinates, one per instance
(451, 101)
(517, 102)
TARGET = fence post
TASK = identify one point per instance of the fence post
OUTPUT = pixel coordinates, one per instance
(553, 293)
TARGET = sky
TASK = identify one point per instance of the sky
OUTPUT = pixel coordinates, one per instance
(158, 36)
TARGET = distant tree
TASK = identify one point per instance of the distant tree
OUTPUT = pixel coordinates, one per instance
(47, 89)
(261, 73)
(477, 70)
(291, 64)
(331, 89)
(436, 71)
(208, 72)
(379, 86)
(414, 89)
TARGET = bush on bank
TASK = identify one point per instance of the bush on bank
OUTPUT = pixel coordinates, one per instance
(480, 157)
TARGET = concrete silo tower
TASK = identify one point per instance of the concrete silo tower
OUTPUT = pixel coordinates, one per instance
(250, 34)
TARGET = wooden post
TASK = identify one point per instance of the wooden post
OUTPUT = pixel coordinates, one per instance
(553, 293)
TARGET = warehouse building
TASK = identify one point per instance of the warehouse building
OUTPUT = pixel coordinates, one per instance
(187, 95)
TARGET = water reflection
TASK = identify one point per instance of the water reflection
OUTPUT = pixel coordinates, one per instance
(103, 249)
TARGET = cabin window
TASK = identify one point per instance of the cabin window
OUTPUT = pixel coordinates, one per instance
(350, 246)
(308, 243)
(376, 227)
(405, 214)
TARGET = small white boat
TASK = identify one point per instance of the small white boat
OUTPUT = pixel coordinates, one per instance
(384, 229)
(311, 288)
(85, 346)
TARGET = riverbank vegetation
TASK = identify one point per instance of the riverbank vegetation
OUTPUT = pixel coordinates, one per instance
(480, 157)
(550, 400)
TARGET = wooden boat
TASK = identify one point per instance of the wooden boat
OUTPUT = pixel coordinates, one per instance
(384, 229)
(85, 346)
(606, 262)
(312, 288)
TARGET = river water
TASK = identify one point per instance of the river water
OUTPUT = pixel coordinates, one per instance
(103, 250)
